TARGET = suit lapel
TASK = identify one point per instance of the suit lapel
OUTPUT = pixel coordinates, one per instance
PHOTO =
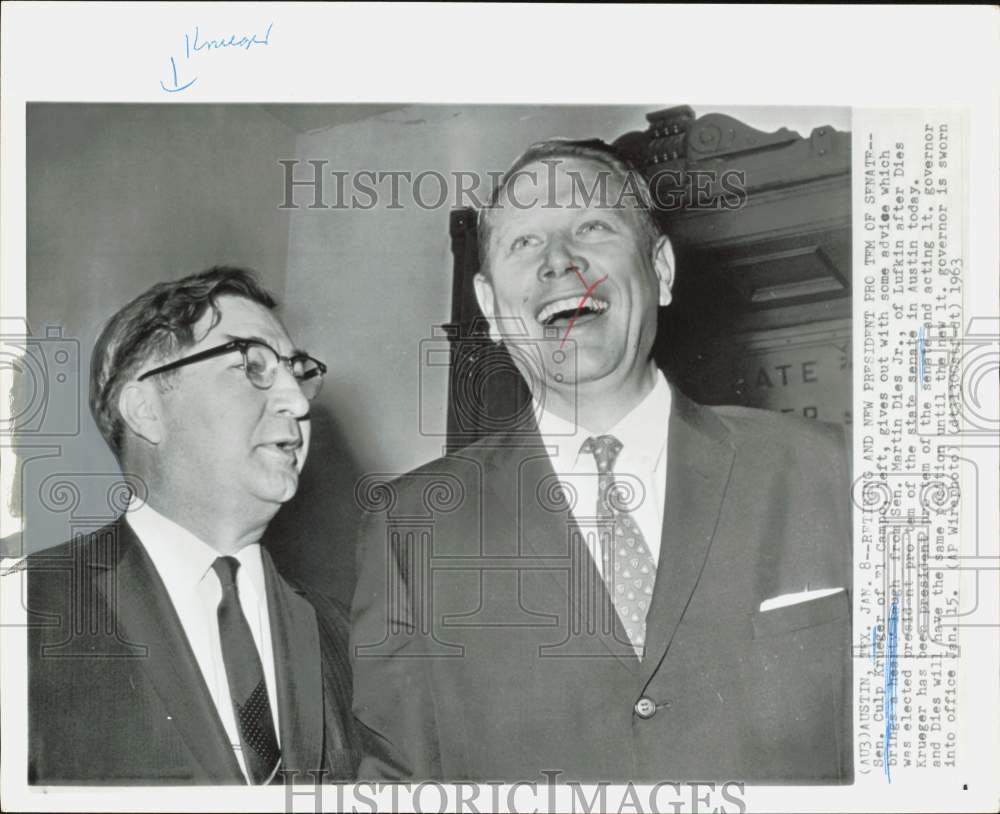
(520, 478)
(298, 671)
(699, 462)
(145, 616)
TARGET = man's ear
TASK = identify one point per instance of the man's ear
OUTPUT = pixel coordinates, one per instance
(663, 264)
(487, 304)
(139, 405)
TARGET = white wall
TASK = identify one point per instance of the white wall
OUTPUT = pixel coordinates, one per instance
(120, 197)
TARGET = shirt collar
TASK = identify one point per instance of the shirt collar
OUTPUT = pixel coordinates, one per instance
(643, 431)
(563, 438)
(182, 559)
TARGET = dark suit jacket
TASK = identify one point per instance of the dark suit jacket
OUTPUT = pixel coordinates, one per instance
(485, 645)
(115, 694)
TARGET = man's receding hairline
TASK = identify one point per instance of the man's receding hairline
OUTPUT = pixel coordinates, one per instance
(524, 171)
(626, 178)
(595, 152)
(152, 326)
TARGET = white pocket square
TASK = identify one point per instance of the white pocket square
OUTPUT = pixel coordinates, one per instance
(785, 600)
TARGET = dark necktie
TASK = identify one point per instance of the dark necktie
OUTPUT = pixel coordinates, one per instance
(629, 569)
(246, 679)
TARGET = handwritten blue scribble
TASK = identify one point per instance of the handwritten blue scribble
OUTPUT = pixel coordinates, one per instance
(177, 85)
(243, 42)
(921, 351)
(194, 46)
(890, 686)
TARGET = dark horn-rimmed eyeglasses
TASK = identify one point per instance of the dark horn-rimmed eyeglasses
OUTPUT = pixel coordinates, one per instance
(260, 363)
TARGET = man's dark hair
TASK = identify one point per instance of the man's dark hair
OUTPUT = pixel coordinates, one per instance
(557, 149)
(155, 325)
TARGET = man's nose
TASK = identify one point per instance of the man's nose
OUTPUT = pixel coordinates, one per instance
(286, 395)
(560, 260)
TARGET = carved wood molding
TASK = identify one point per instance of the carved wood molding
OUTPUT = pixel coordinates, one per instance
(717, 136)
(677, 144)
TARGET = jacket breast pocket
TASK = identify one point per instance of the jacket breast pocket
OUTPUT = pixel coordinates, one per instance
(800, 690)
(812, 612)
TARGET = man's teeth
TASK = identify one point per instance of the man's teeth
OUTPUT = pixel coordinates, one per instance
(570, 304)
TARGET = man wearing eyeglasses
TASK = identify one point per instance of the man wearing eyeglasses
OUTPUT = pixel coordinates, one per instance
(173, 651)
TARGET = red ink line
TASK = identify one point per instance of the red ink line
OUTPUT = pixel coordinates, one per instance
(583, 301)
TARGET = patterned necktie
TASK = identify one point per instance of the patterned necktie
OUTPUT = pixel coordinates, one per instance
(629, 569)
(246, 680)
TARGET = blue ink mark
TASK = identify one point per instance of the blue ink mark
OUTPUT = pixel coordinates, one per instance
(921, 350)
(177, 87)
(246, 42)
(243, 42)
(890, 686)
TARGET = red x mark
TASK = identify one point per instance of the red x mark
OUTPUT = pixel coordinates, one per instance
(583, 301)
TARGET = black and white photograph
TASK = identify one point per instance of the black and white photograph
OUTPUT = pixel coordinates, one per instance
(561, 453)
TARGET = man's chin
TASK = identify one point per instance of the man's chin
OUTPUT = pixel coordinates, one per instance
(290, 489)
(586, 363)
(279, 489)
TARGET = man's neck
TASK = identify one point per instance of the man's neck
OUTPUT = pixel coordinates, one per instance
(223, 529)
(599, 406)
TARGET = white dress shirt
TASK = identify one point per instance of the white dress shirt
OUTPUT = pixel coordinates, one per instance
(641, 466)
(184, 563)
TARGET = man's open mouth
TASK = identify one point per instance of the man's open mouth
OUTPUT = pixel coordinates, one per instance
(287, 448)
(561, 312)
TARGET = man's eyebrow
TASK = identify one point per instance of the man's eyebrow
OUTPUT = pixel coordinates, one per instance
(508, 230)
(263, 341)
(248, 337)
(601, 211)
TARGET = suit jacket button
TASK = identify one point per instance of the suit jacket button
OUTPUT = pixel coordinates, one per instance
(645, 708)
